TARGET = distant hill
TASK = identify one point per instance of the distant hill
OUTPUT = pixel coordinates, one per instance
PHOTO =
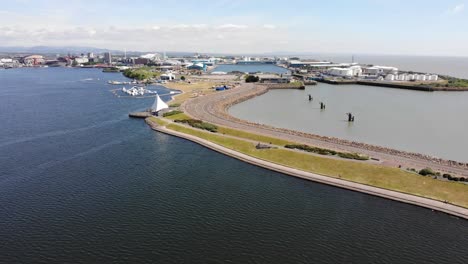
(54, 50)
(83, 49)
(79, 50)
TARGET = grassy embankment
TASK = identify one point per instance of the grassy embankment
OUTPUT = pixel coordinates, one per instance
(450, 82)
(177, 115)
(369, 174)
(143, 73)
(158, 121)
(180, 116)
(443, 82)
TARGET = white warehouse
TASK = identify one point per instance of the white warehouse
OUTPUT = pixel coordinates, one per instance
(345, 72)
(377, 70)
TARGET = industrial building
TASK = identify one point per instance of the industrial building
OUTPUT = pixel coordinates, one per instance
(380, 70)
(302, 64)
(141, 61)
(353, 71)
(108, 57)
(151, 56)
(33, 60)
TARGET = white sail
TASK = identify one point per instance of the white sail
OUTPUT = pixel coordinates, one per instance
(158, 104)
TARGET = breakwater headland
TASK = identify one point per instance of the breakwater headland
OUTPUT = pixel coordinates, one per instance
(384, 193)
(416, 87)
(214, 108)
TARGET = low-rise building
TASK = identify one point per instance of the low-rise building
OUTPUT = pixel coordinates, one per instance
(380, 70)
(272, 78)
(341, 72)
(9, 63)
(302, 64)
(197, 66)
(141, 61)
(81, 60)
(167, 77)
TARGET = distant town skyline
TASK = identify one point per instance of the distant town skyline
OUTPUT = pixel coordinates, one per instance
(365, 26)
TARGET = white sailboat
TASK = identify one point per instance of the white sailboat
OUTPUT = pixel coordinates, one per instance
(158, 104)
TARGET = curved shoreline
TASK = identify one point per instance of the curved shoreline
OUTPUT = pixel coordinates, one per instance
(384, 193)
(218, 111)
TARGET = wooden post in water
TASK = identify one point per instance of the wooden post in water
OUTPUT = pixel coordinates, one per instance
(322, 105)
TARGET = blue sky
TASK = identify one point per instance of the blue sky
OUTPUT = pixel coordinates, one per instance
(360, 26)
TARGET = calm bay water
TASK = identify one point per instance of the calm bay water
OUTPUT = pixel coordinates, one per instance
(430, 123)
(82, 183)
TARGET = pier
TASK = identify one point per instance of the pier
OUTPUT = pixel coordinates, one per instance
(140, 114)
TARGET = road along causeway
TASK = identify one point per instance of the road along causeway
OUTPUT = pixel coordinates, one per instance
(214, 107)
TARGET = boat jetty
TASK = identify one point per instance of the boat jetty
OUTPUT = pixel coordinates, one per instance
(137, 91)
(120, 83)
(157, 107)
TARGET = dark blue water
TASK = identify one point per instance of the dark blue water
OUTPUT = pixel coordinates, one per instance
(264, 68)
(82, 183)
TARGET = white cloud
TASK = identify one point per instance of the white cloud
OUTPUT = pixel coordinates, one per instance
(232, 26)
(269, 26)
(186, 27)
(92, 32)
(202, 37)
(456, 9)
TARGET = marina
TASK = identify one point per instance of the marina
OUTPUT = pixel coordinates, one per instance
(137, 91)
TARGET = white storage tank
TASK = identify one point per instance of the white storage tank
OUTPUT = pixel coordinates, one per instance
(402, 77)
(423, 77)
(434, 77)
(390, 77)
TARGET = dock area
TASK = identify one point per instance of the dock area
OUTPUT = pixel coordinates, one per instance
(140, 114)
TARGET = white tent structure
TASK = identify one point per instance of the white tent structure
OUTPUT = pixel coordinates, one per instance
(158, 105)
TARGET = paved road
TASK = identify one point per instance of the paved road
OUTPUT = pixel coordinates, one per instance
(211, 108)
